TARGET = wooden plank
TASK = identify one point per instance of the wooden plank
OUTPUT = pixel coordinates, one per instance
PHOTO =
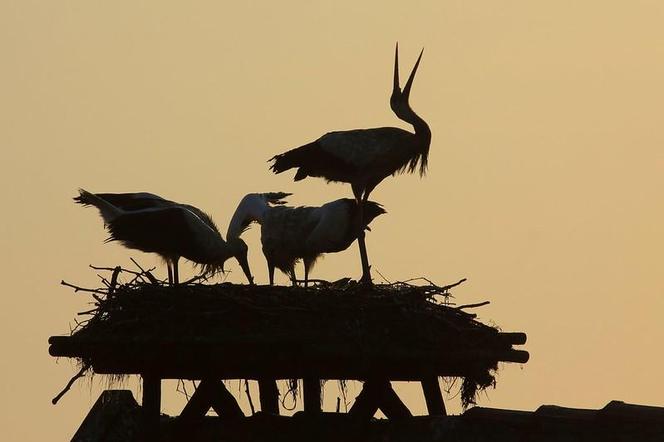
(433, 396)
(269, 395)
(312, 395)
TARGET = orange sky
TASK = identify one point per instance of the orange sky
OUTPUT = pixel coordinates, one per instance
(544, 189)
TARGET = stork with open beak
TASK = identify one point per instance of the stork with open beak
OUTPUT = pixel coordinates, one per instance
(289, 234)
(149, 223)
(364, 157)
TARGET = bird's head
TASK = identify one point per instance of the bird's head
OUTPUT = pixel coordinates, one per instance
(399, 99)
(401, 108)
(371, 211)
(238, 249)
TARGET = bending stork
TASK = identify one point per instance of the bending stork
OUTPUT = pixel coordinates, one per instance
(289, 234)
(149, 223)
(364, 157)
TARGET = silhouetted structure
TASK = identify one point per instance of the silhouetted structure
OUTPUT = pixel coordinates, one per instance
(116, 418)
(337, 331)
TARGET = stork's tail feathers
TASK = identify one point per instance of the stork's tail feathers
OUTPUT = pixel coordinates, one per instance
(108, 211)
(298, 157)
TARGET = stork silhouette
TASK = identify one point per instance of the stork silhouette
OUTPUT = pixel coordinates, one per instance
(289, 234)
(365, 157)
(150, 223)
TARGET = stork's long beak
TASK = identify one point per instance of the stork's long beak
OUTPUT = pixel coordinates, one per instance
(244, 263)
(409, 83)
(396, 89)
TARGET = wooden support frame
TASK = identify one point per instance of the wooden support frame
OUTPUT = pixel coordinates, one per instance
(211, 393)
(379, 394)
(312, 395)
(268, 395)
(433, 396)
(151, 405)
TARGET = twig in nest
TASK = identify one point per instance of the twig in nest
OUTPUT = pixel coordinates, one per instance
(114, 279)
(251, 403)
(104, 280)
(451, 286)
(147, 273)
(384, 278)
(82, 289)
(78, 375)
(111, 269)
(479, 304)
(203, 276)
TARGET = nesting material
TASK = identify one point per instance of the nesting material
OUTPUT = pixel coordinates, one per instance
(341, 330)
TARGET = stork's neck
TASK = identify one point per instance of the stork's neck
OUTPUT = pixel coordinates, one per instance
(252, 208)
(404, 112)
(421, 127)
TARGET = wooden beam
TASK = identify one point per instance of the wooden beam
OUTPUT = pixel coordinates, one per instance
(312, 395)
(378, 394)
(211, 393)
(269, 395)
(223, 402)
(390, 403)
(178, 360)
(151, 405)
(433, 396)
(513, 338)
(198, 404)
(366, 403)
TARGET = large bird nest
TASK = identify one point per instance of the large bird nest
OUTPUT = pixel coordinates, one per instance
(344, 326)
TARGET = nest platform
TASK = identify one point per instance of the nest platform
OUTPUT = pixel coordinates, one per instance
(344, 330)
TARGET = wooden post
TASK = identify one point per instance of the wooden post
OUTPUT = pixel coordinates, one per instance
(151, 405)
(269, 395)
(312, 395)
(433, 396)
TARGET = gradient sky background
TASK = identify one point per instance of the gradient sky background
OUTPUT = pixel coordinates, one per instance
(544, 189)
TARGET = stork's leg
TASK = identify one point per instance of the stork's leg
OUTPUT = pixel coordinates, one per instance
(176, 277)
(270, 271)
(293, 279)
(307, 265)
(366, 269)
(170, 273)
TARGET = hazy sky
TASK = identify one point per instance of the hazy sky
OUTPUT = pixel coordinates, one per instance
(544, 188)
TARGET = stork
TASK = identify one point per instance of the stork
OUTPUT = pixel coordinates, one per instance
(289, 234)
(149, 223)
(364, 157)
